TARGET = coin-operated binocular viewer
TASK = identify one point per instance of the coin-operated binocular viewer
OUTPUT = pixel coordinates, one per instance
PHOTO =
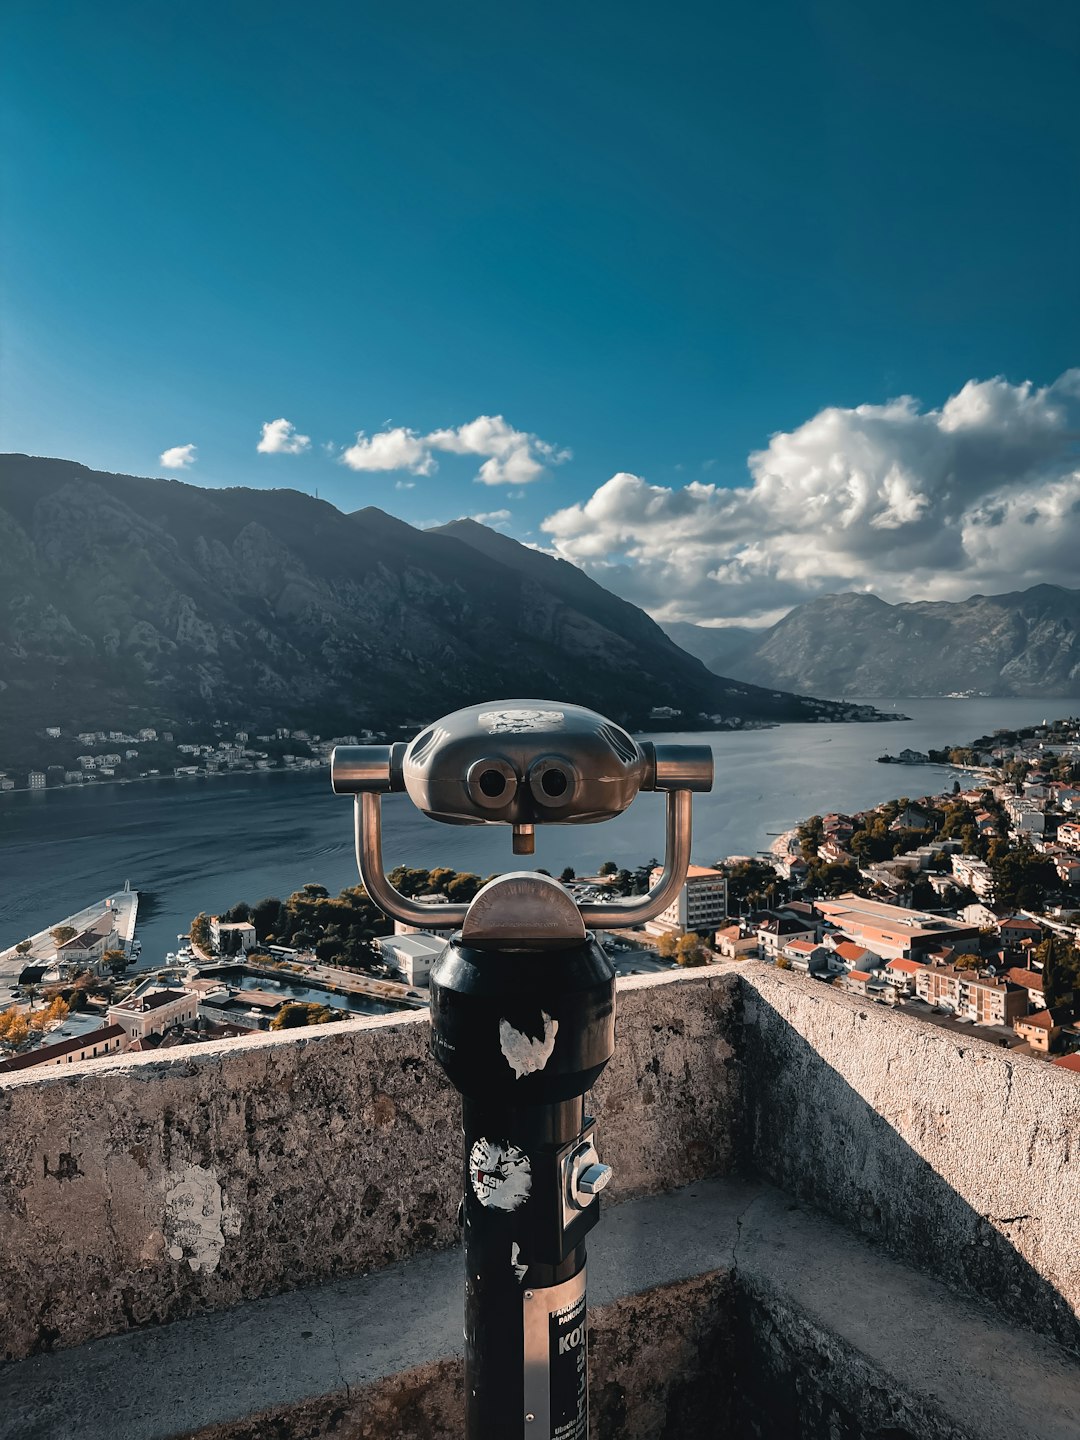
(523, 1021)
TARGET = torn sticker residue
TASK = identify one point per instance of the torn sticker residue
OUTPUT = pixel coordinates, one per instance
(519, 1269)
(524, 1054)
(501, 1175)
(520, 722)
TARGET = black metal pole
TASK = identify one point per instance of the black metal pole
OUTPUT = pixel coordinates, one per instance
(523, 1035)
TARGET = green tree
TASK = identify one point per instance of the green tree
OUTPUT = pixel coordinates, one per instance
(200, 932)
(266, 916)
(116, 960)
(24, 947)
(568, 874)
(1061, 969)
(61, 934)
(689, 951)
(608, 868)
(300, 1013)
(667, 945)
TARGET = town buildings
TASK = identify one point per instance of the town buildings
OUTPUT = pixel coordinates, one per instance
(893, 932)
(231, 937)
(109, 1040)
(412, 956)
(152, 1008)
(700, 905)
(970, 995)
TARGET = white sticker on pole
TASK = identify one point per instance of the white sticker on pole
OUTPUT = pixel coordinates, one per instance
(501, 1175)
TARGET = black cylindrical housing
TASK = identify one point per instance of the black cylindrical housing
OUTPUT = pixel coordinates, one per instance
(522, 1036)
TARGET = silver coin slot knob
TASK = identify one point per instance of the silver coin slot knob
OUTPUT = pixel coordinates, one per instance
(593, 1179)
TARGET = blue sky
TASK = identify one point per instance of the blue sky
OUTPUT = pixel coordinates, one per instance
(650, 236)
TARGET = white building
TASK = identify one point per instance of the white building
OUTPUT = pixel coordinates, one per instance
(36, 780)
(975, 874)
(153, 1008)
(53, 732)
(411, 955)
(701, 904)
(90, 944)
(233, 937)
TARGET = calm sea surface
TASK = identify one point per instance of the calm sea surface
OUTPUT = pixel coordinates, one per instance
(191, 845)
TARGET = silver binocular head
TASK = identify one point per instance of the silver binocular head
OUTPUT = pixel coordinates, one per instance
(521, 763)
(526, 762)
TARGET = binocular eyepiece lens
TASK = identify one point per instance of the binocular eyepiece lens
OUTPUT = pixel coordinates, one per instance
(553, 782)
(492, 783)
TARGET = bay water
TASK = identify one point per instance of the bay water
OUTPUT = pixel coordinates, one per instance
(203, 844)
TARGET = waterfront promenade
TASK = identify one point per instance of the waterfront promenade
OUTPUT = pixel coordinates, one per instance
(43, 948)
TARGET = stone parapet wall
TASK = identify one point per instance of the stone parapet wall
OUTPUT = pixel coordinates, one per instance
(139, 1190)
(960, 1156)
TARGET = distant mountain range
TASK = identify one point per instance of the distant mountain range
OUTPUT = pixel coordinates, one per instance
(1023, 643)
(130, 600)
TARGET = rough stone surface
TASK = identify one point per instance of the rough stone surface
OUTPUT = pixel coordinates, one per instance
(659, 1367)
(958, 1155)
(136, 1191)
(724, 1309)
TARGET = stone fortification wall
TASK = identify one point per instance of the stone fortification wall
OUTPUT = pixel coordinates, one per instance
(135, 1191)
(957, 1154)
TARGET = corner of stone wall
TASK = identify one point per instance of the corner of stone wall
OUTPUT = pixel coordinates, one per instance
(955, 1154)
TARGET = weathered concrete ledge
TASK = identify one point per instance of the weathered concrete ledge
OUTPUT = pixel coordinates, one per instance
(138, 1190)
(960, 1156)
(721, 1310)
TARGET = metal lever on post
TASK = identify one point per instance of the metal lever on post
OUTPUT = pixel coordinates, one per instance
(523, 1022)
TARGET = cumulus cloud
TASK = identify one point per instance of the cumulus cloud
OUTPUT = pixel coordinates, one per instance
(981, 494)
(497, 519)
(179, 457)
(279, 437)
(510, 457)
(397, 449)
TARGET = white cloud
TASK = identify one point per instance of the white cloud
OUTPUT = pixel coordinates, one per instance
(179, 457)
(397, 449)
(279, 437)
(404, 484)
(510, 457)
(497, 519)
(982, 494)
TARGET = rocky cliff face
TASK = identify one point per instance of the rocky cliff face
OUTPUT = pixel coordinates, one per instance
(129, 599)
(1025, 643)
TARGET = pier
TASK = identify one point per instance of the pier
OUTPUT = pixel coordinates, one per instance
(125, 904)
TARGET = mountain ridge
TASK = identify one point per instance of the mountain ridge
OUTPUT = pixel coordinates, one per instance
(130, 599)
(1017, 643)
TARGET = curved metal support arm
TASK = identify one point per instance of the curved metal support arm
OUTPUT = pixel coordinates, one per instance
(677, 840)
(367, 813)
(369, 861)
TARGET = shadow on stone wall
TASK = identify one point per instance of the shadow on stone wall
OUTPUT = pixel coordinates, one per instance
(806, 1128)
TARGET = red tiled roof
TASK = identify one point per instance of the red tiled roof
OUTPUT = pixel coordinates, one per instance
(45, 1053)
(1046, 1019)
(1068, 1062)
(907, 967)
(1030, 979)
(848, 950)
(858, 975)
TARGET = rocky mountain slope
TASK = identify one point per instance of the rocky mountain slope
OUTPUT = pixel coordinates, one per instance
(129, 600)
(1024, 643)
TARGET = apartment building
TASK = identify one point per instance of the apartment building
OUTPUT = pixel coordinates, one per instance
(971, 997)
(701, 904)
